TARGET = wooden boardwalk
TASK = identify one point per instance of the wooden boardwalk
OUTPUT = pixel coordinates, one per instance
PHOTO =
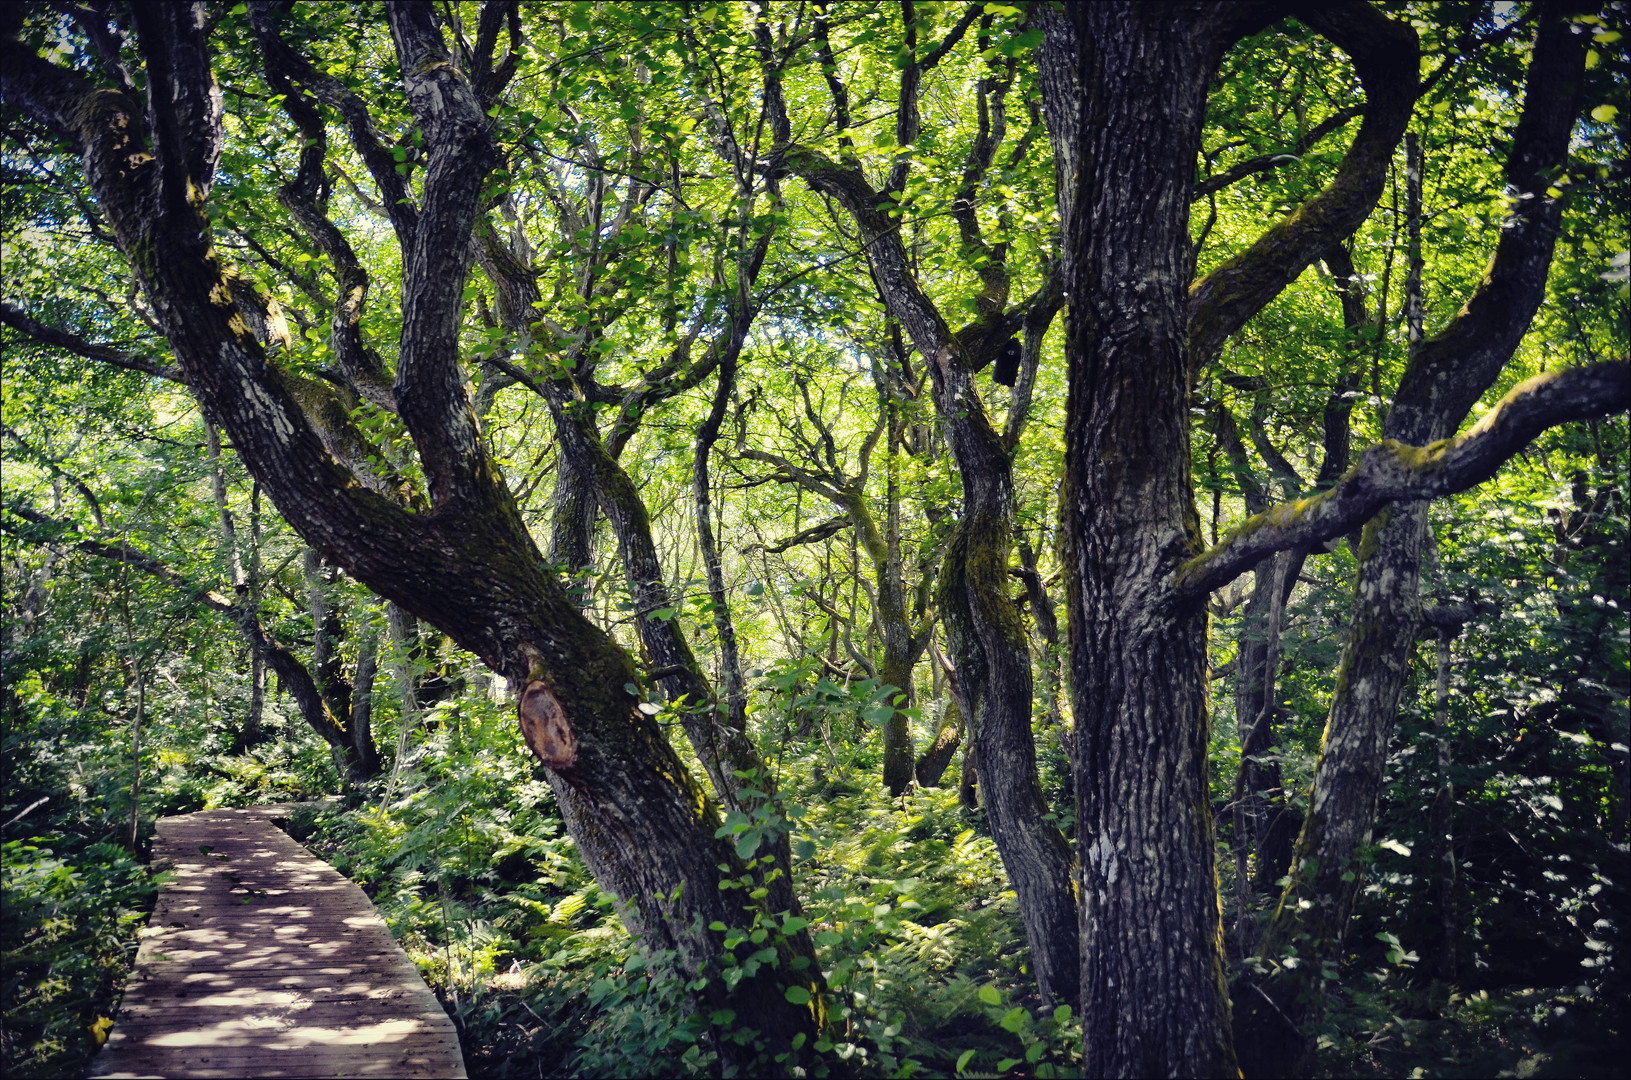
(261, 960)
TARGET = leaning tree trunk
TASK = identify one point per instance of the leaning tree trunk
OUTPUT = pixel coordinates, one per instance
(468, 564)
(1445, 377)
(983, 629)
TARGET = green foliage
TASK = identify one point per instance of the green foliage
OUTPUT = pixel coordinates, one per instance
(616, 112)
(67, 940)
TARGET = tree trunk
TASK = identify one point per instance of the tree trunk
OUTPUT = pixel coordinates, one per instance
(1443, 379)
(983, 630)
(326, 634)
(572, 524)
(968, 784)
(730, 660)
(400, 627)
(360, 722)
(1270, 823)
(466, 563)
(932, 765)
(136, 756)
(254, 726)
(1153, 995)
(1444, 814)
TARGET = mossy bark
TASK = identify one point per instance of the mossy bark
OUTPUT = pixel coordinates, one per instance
(1445, 376)
(643, 825)
(983, 630)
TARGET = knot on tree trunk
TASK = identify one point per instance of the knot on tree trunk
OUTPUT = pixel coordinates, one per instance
(545, 727)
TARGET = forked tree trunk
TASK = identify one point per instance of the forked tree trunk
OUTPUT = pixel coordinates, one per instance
(1444, 378)
(468, 565)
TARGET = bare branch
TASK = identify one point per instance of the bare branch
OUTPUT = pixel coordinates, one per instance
(123, 553)
(1269, 162)
(808, 536)
(57, 470)
(48, 335)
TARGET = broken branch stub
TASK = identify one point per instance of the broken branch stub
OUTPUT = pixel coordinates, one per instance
(545, 727)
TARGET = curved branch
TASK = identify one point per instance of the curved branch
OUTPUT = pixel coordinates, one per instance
(396, 196)
(1452, 369)
(124, 553)
(1394, 472)
(306, 199)
(1269, 162)
(813, 534)
(1384, 54)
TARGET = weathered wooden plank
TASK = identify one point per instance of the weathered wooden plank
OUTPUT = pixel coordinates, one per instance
(262, 960)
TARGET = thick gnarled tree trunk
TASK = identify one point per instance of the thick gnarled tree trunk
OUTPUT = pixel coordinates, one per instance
(1153, 998)
(467, 564)
(1125, 90)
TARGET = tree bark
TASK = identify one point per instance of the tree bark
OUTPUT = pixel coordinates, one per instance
(934, 761)
(253, 729)
(983, 628)
(1445, 377)
(360, 721)
(730, 661)
(1442, 827)
(1126, 140)
(136, 755)
(468, 564)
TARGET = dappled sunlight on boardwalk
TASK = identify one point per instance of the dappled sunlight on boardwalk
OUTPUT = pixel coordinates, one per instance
(262, 960)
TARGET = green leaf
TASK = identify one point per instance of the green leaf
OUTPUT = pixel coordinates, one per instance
(797, 995)
(990, 995)
(963, 1059)
(1007, 1063)
(1605, 113)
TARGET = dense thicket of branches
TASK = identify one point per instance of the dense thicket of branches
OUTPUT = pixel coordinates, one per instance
(1103, 390)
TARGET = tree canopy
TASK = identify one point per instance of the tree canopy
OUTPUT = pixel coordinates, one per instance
(818, 521)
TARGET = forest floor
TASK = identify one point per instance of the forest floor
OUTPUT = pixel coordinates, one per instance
(262, 960)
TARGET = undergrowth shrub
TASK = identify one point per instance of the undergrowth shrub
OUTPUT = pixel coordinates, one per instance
(68, 938)
(915, 927)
